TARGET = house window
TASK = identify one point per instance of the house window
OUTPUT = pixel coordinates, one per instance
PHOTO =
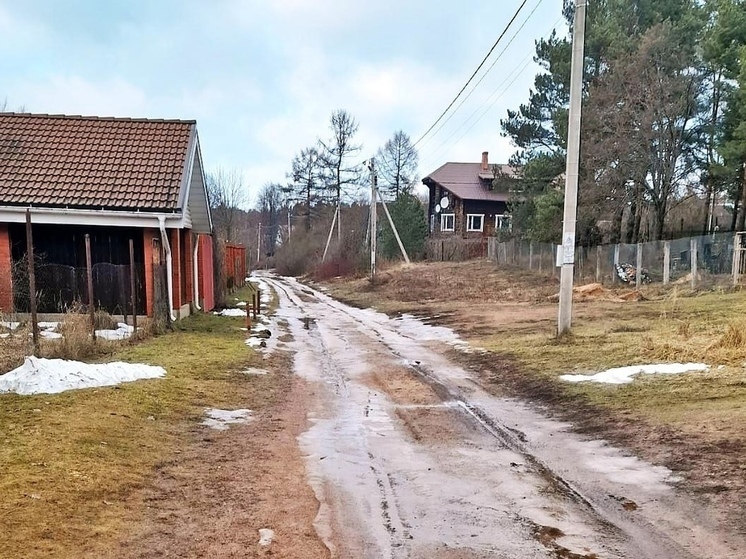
(474, 222)
(432, 222)
(504, 222)
(447, 222)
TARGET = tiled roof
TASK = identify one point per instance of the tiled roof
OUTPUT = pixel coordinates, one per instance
(92, 162)
(469, 182)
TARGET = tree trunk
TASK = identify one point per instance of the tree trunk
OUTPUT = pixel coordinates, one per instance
(616, 227)
(638, 216)
(708, 201)
(742, 202)
(630, 232)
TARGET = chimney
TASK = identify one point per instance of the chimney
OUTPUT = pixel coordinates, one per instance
(485, 165)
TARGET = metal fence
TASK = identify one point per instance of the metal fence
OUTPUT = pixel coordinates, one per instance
(691, 260)
(60, 287)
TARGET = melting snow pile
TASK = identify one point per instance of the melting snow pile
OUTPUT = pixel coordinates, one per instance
(122, 332)
(220, 419)
(231, 312)
(49, 376)
(624, 375)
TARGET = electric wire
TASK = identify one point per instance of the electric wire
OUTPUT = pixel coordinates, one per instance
(484, 75)
(486, 105)
(504, 31)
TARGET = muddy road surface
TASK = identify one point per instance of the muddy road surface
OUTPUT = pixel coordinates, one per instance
(410, 457)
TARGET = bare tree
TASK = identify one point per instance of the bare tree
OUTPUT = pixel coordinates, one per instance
(270, 204)
(397, 165)
(306, 180)
(339, 173)
(228, 196)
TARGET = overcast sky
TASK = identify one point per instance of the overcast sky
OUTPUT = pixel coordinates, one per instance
(262, 77)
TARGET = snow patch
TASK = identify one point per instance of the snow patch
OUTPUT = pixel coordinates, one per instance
(122, 332)
(624, 375)
(220, 419)
(50, 335)
(10, 325)
(254, 371)
(254, 342)
(241, 304)
(231, 312)
(50, 376)
(266, 536)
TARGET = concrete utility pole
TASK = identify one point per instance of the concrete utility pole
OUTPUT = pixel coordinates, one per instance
(258, 242)
(373, 216)
(571, 172)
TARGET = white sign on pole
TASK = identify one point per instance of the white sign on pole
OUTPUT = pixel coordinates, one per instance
(568, 246)
(558, 256)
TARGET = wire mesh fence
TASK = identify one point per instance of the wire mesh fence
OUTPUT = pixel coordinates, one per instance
(60, 287)
(697, 260)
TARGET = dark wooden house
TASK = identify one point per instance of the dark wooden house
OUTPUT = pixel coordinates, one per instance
(464, 200)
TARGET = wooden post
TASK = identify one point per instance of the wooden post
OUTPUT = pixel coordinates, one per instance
(693, 246)
(598, 264)
(541, 256)
(133, 288)
(531, 255)
(736, 258)
(89, 272)
(255, 301)
(666, 262)
(638, 273)
(32, 282)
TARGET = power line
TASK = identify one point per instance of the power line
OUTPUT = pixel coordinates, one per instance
(505, 30)
(495, 61)
(487, 104)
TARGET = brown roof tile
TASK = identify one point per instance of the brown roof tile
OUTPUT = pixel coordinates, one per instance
(113, 163)
(469, 182)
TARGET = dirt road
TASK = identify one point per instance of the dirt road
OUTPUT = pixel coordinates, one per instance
(410, 457)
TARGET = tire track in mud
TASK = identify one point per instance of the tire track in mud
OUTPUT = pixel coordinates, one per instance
(618, 532)
(390, 511)
(507, 436)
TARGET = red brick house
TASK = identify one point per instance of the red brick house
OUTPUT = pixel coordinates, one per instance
(463, 201)
(114, 179)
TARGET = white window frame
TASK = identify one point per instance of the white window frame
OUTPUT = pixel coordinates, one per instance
(503, 217)
(469, 222)
(443, 222)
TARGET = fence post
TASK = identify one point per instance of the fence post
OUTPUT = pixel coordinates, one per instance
(32, 282)
(614, 277)
(133, 288)
(638, 273)
(736, 258)
(89, 273)
(693, 246)
(666, 262)
(598, 264)
(531, 255)
(541, 256)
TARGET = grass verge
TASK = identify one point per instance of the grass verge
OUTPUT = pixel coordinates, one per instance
(72, 463)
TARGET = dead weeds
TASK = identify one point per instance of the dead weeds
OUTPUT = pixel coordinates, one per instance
(73, 463)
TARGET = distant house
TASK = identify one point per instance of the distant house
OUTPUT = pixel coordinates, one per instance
(463, 201)
(115, 180)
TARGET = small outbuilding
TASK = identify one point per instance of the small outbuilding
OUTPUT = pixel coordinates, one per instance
(113, 180)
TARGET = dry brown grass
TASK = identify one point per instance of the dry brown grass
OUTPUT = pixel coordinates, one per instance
(72, 463)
